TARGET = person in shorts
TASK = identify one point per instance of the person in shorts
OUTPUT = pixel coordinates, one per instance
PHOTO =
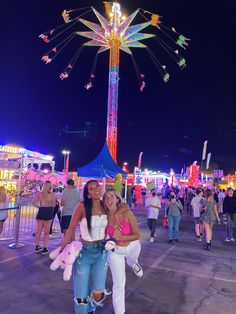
(197, 203)
(45, 201)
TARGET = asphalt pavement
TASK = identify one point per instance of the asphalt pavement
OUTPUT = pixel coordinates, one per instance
(179, 278)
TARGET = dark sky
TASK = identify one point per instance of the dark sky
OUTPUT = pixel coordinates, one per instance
(167, 122)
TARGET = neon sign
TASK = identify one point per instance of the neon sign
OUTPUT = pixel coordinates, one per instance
(24, 152)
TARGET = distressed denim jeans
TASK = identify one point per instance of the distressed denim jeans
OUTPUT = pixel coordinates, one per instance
(89, 273)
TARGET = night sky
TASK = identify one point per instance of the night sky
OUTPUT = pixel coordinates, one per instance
(167, 122)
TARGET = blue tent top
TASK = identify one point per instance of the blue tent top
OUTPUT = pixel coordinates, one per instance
(103, 166)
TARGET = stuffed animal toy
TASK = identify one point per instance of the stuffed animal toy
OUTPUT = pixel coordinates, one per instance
(109, 244)
(66, 258)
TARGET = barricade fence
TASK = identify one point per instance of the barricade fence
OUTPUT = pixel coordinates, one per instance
(9, 226)
(27, 224)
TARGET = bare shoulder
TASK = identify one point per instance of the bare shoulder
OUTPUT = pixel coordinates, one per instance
(80, 210)
(125, 211)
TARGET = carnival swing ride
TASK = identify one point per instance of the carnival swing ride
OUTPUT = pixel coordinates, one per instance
(114, 33)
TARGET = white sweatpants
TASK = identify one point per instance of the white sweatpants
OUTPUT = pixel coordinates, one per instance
(117, 266)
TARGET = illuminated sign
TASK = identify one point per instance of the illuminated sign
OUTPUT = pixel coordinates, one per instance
(9, 185)
(24, 152)
(6, 174)
(11, 149)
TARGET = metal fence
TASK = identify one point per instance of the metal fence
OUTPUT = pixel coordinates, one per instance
(27, 223)
(9, 226)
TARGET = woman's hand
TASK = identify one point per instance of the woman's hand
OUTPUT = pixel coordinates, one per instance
(117, 235)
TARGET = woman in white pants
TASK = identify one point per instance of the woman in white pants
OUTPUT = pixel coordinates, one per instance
(123, 227)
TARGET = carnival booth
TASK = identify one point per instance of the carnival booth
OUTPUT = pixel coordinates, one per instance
(21, 169)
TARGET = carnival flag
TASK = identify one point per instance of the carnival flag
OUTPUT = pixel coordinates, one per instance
(204, 150)
(208, 160)
(140, 160)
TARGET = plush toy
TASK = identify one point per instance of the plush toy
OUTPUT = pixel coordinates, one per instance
(109, 244)
(66, 258)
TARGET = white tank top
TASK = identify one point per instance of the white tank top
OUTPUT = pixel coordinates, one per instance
(98, 226)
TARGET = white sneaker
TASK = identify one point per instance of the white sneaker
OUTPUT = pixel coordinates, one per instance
(137, 270)
(232, 239)
(151, 239)
(227, 240)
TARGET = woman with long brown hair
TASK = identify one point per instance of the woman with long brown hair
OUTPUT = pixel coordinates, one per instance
(210, 216)
(90, 267)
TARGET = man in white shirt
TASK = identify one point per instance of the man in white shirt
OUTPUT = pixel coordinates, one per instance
(153, 205)
(197, 206)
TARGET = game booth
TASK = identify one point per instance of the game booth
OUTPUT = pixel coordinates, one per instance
(23, 171)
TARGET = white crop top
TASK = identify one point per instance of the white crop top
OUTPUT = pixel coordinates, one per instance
(98, 226)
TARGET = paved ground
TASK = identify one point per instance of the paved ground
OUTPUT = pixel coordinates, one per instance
(178, 278)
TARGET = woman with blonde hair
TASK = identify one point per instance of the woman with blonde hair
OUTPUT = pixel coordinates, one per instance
(4, 200)
(45, 202)
(123, 227)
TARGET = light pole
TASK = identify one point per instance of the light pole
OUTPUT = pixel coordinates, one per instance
(66, 154)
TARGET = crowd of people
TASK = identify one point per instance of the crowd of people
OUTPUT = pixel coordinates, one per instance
(105, 216)
(207, 206)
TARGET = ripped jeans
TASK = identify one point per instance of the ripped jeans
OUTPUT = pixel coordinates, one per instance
(89, 273)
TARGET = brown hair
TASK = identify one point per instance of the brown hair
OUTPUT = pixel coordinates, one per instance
(208, 193)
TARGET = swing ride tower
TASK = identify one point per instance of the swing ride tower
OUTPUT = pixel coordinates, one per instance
(114, 34)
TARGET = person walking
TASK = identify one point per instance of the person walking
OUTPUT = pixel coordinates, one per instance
(56, 211)
(229, 209)
(210, 216)
(122, 226)
(90, 267)
(153, 205)
(45, 202)
(174, 211)
(196, 204)
(70, 198)
(143, 193)
(187, 199)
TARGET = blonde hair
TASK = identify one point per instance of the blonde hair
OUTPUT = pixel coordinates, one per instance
(46, 183)
(3, 194)
(117, 194)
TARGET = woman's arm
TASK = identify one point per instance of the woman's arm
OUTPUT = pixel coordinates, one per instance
(134, 228)
(216, 212)
(179, 204)
(54, 201)
(76, 217)
(36, 201)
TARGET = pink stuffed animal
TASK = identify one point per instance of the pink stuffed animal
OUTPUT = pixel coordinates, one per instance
(66, 258)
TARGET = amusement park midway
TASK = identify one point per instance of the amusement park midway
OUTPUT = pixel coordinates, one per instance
(168, 122)
(178, 278)
(118, 157)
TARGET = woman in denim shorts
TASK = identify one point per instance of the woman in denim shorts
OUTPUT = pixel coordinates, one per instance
(90, 268)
